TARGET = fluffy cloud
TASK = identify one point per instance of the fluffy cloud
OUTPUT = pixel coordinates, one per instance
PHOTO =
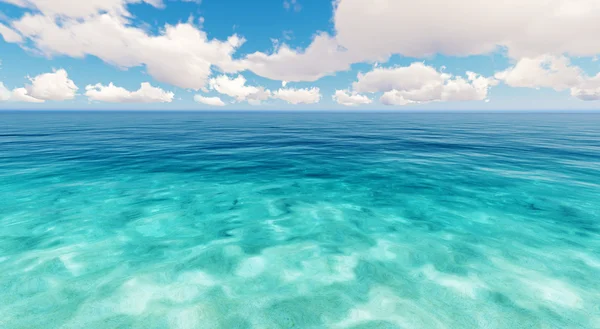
(554, 72)
(350, 99)
(55, 86)
(237, 88)
(212, 101)
(542, 72)
(113, 94)
(467, 27)
(180, 55)
(20, 95)
(4, 93)
(411, 77)
(395, 97)
(9, 34)
(420, 29)
(419, 83)
(475, 87)
(323, 57)
(80, 9)
(298, 96)
(588, 89)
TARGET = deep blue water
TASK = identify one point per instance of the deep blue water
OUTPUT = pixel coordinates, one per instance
(299, 220)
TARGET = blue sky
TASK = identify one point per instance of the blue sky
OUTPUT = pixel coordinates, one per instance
(285, 54)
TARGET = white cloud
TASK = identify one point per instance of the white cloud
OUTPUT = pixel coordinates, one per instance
(555, 72)
(542, 72)
(323, 57)
(113, 94)
(5, 94)
(467, 27)
(298, 96)
(9, 34)
(474, 88)
(419, 83)
(81, 8)
(237, 88)
(254, 95)
(180, 55)
(213, 101)
(395, 97)
(55, 86)
(20, 95)
(410, 77)
(588, 89)
(374, 30)
(350, 99)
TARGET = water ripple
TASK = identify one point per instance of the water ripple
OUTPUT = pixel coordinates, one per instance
(298, 220)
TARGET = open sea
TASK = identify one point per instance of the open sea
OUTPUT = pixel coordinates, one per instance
(268, 220)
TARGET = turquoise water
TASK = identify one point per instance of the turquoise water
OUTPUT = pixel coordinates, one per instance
(299, 220)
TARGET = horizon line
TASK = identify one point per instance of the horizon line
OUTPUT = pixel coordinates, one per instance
(475, 111)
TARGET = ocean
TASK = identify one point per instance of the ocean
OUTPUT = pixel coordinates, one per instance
(271, 220)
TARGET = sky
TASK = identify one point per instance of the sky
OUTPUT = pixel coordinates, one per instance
(300, 54)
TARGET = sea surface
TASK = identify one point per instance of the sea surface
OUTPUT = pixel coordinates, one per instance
(158, 220)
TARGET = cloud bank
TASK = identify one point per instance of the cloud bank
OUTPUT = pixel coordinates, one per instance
(540, 36)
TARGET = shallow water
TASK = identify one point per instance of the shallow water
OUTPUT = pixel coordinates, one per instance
(299, 220)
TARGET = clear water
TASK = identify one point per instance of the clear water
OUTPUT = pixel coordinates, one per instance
(299, 220)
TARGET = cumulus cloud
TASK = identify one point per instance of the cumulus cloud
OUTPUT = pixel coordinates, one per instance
(323, 57)
(395, 97)
(9, 34)
(417, 29)
(419, 83)
(343, 97)
(424, 28)
(555, 72)
(588, 89)
(4, 92)
(181, 55)
(20, 95)
(542, 72)
(55, 86)
(213, 101)
(298, 96)
(80, 9)
(237, 88)
(474, 87)
(526, 28)
(411, 77)
(113, 94)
